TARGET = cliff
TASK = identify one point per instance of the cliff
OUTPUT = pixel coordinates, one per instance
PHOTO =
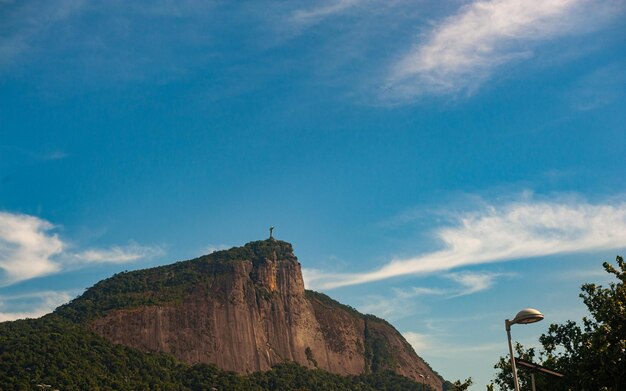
(245, 310)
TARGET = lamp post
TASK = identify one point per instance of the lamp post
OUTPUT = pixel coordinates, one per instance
(525, 316)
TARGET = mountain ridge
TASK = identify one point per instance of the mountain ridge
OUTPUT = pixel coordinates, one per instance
(245, 310)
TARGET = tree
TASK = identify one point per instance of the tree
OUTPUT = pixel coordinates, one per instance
(592, 357)
(462, 385)
(504, 376)
(595, 355)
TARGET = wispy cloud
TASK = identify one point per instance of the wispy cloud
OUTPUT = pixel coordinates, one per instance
(430, 345)
(124, 41)
(596, 275)
(389, 308)
(211, 248)
(472, 282)
(598, 88)
(420, 342)
(496, 233)
(44, 303)
(463, 50)
(403, 303)
(118, 254)
(439, 324)
(54, 155)
(30, 248)
(416, 291)
(313, 15)
(23, 24)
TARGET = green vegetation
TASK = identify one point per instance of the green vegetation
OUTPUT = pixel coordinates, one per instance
(503, 377)
(460, 385)
(592, 357)
(378, 356)
(60, 351)
(329, 302)
(310, 357)
(54, 351)
(167, 284)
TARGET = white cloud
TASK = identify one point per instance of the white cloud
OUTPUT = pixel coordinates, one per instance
(496, 233)
(118, 254)
(420, 342)
(472, 282)
(417, 291)
(403, 303)
(432, 346)
(464, 49)
(313, 15)
(447, 350)
(46, 303)
(312, 277)
(29, 248)
(386, 307)
(211, 248)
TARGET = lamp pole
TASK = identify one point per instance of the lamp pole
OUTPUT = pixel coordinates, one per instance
(507, 323)
(525, 316)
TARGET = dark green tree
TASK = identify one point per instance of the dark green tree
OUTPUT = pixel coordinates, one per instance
(462, 385)
(504, 376)
(592, 357)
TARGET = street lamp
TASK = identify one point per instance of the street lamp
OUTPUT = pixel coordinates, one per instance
(423, 380)
(525, 316)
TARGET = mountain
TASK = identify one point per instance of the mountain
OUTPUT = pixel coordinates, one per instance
(243, 310)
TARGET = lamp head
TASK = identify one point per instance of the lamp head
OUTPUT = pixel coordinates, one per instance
(527, 315)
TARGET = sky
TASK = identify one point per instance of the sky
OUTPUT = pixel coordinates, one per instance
(441, 164)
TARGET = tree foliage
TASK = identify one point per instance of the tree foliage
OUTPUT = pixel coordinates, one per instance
(592, 357)
(458, 385)
(61, 351)
(504, 376)
(67, 356)
(167, 284)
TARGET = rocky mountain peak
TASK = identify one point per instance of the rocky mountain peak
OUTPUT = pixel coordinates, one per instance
(244, 309)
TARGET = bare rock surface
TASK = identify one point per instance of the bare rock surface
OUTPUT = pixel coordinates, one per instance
(250, 314)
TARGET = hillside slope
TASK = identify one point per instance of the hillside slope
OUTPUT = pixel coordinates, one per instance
(244, 310)
(56, 354)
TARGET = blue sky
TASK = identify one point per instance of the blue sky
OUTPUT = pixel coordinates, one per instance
(439, 164)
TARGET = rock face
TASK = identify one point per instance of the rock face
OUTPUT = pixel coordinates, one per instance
(250, 314)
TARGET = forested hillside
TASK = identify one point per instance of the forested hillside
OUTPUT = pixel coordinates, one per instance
(54, 351)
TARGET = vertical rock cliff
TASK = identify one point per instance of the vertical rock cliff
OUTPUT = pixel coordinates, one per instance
(245, 310)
